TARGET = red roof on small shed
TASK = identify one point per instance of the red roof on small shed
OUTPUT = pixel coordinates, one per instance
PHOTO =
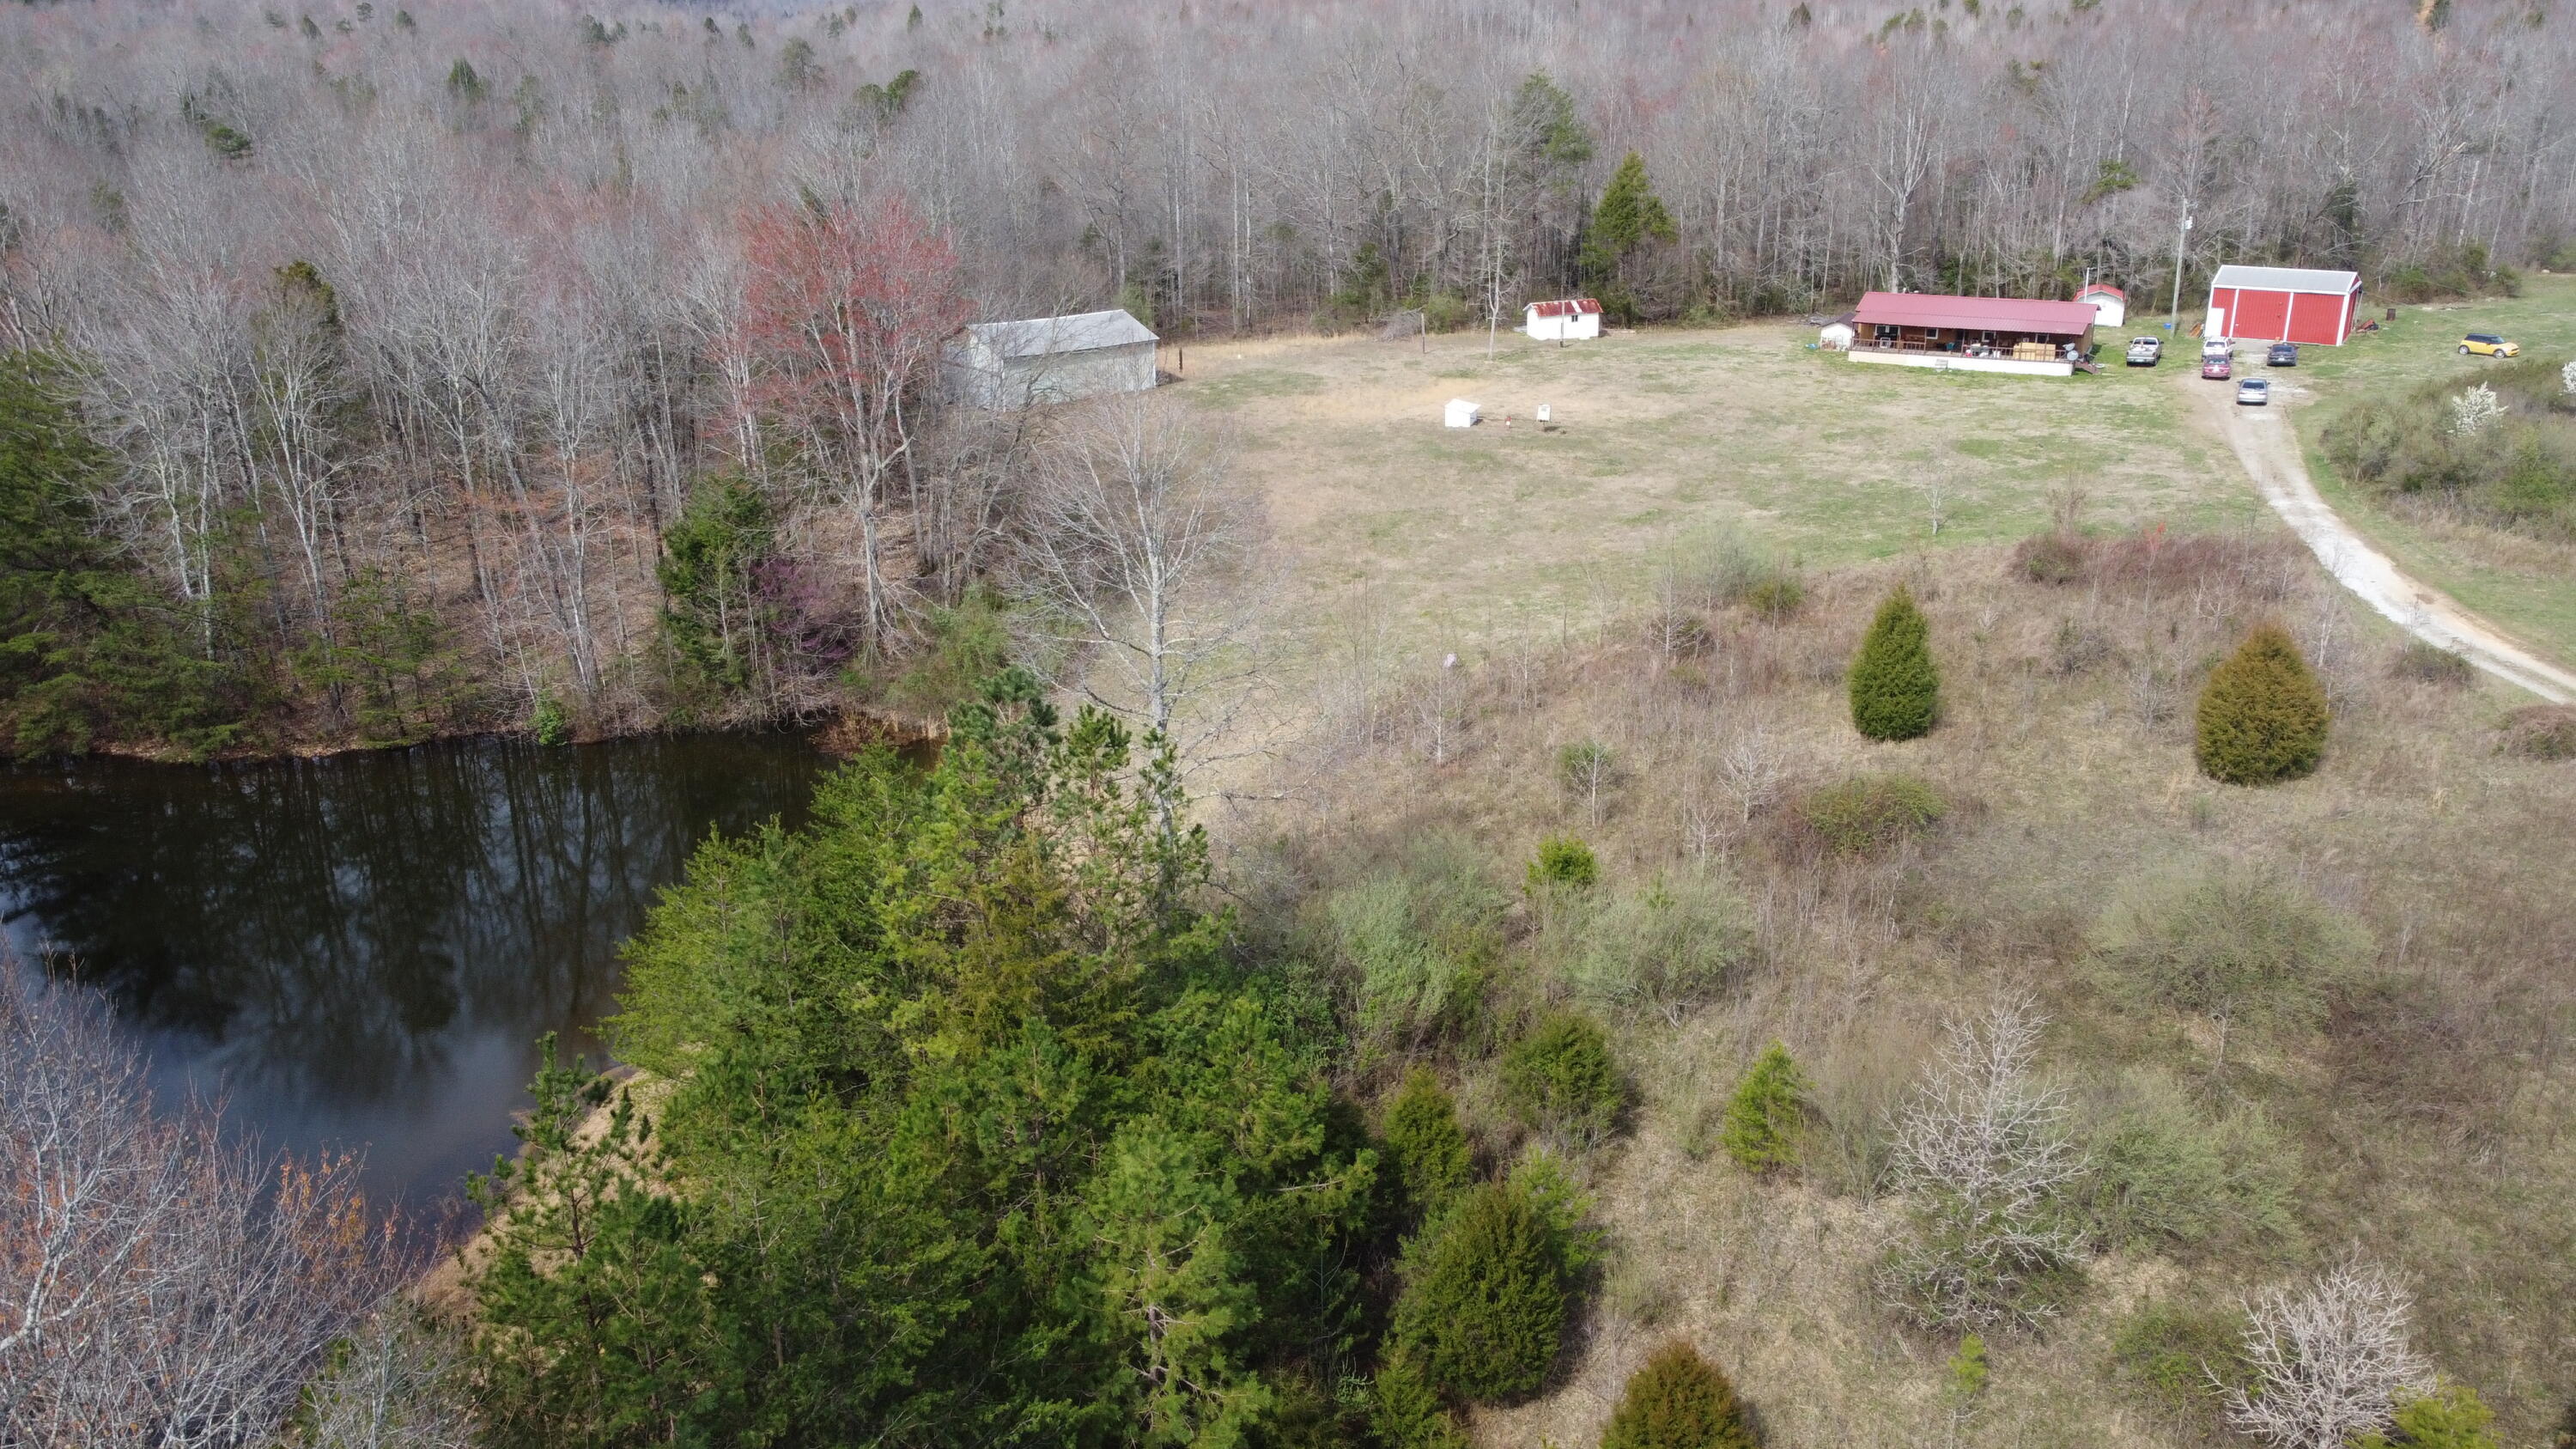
(1566, 308)
(2100, 289)
(1975, 314)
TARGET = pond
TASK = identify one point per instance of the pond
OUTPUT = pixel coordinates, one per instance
(360, 952)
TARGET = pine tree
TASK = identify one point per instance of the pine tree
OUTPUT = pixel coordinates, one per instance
(1628, 216)
(1429, 1151)
(1762, 1119)
(1679, 1400)
(1484, 1299)
(1895, 686)
(2263, 715)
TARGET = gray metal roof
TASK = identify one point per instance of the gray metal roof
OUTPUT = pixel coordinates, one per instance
(1082, 332)
(2285, 279)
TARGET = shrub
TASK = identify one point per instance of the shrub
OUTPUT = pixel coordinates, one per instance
(1559, 1080)
(1564, 860)
(1413, 941)
(967, 645)
(2452, 1417)
(2542, 732)
(2262, 715)
(2168, 1354)
(1776, 597)
(1427, 1148)
(2054, 557)
(1665, 950)
(1895, 687)
(2166, 1179)
(551, 724)
(1679, 1400)
(1587, 768)
(2432, 664)
(2236, 945)
(1870, 813)
(1483, 1307)
(1763, 1118)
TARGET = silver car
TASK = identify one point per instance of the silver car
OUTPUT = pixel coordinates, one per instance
(2253, 392)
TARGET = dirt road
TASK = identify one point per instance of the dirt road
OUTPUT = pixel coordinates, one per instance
(2264, 442)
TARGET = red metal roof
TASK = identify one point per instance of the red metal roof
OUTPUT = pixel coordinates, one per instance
(1976, 314)
(1566, 308)
(2100, 289)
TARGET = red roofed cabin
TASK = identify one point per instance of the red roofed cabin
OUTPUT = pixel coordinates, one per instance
(1972, 334)
(1559, 321)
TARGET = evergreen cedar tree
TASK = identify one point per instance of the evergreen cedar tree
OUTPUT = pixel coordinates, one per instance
(1679, 1400)
(1628, 216)
(2263, 715)
(1425, 1148)
(88, 649)
(1483, 1307)
(1406, 1411)
(1895, 687)
(1560, 1079)
(1762, 1119)
(976, 1135)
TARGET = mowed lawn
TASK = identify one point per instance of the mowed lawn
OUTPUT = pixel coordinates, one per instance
(2525, 587)
(1658, 435)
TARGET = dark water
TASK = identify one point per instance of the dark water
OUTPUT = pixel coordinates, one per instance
(359, 952)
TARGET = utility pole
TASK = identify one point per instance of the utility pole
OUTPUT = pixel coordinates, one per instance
(2181, 233)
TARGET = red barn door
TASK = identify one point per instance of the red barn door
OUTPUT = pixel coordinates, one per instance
(2261, 315)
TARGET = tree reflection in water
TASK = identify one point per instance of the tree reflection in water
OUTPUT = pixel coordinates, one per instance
(358, 952)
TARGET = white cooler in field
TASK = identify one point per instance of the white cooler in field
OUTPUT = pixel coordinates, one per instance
(1461, 413)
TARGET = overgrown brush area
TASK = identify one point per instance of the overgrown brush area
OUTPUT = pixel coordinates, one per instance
(2303, 1036)
(2499, 451)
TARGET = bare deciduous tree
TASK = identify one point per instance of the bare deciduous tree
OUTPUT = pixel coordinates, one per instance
(2331, 1359)
(1982, 1146)
(396, 1384)
(158, 1285)
(1141, 546)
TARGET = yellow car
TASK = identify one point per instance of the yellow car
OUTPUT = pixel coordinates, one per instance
(2487, 344)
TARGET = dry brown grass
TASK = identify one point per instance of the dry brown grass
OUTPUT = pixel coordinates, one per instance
(2427, 1111)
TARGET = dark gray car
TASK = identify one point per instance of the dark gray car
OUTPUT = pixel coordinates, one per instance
(2283, 354)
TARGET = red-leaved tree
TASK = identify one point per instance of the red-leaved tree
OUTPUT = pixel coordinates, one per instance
(844, 311)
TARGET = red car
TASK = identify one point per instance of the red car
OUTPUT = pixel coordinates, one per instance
(2220, 368)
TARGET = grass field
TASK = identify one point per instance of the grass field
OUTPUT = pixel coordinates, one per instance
(2523, 586)
(1655, 435)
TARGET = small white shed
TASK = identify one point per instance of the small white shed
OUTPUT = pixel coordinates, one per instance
(1836, 335)
(1564, 320)
(1049, 359)
(1460, 413)
(2109, 303)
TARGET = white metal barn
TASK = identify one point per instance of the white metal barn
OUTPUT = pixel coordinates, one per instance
(2109, 302)
(1049, 359)
(1565, 320)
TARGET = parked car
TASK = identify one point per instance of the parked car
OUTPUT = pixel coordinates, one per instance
(2253, 392)
(2283, 354)
(2487, 344)
(2220, 367)
(2145, 351)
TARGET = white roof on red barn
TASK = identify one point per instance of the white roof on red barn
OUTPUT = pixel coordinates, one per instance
(2100, 289)
(1080, 332)
(1975, 314)
(1567, 308)
(2286, 279)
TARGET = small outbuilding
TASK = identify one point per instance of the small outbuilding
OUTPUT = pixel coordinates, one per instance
(2110, 304)
(1566, 320)
(2283, 304)
(1836, 335)
(1972, 334)
(1049, 359)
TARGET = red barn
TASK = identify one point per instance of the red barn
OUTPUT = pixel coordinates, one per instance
(2283, 304)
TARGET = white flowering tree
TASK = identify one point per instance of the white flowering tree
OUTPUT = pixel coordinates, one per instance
(2474, 410)
(2567, 376)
